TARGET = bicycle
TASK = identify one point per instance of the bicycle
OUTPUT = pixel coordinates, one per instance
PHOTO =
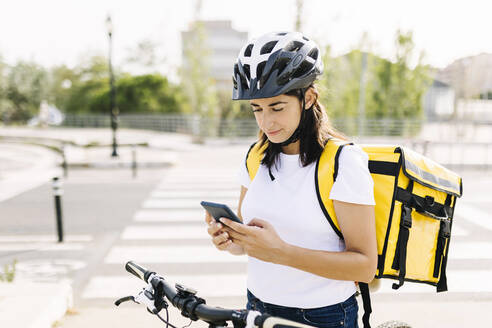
(154, 296)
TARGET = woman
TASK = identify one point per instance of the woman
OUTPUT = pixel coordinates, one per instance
(298, 267)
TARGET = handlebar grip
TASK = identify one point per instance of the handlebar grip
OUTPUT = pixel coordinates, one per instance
(138, 271)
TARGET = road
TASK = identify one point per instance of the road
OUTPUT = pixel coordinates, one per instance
(156, 220)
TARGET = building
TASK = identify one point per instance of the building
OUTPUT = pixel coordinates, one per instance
(470, 76)
(438, 101)
(222, 44)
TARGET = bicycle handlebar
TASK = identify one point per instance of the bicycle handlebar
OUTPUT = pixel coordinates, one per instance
(195, 308)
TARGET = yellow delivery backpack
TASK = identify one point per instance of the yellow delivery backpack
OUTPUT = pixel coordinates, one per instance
(415, 200)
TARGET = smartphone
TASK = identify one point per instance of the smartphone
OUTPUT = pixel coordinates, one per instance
(220, 211)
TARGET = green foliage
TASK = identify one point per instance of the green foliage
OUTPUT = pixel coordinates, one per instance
(151, 93)
(8, 274)
(23, 86)
(392, 89)
(398, 90)
(196, 80)
(90, 91)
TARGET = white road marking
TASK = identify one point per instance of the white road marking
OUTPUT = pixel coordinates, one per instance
(171, 254)
(197, 172)
(43, 238)
(217, 285)
(459, 231)
(181, 203)
(41, 247)
(195, 194)
(170, 215)
(474, 214)
(470, 250)
(212, 186)
(472, 281)
(164, 233)
(197, 178)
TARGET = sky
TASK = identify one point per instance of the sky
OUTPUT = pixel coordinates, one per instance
(54, 32)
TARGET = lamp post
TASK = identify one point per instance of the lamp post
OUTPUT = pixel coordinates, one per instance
(113, 109)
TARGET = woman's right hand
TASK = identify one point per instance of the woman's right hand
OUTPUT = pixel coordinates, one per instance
(220, 237)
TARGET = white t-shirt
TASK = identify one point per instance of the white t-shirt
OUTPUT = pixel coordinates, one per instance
(291, 205)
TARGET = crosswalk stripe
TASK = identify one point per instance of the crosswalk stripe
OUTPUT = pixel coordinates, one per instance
(181, 203)
(41, 247)
(195, 194)
(217, 285)
(43, 238)
(199, 179)
(197, 172)
(165, 233)
(474, 214)
(208, 188)
(195, 215)
(470, 250)
(459, 231)
(171, 254)
(459, 281)
(199, 185)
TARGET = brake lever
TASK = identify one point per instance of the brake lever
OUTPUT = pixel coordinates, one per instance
(147, 298)
(124, 299)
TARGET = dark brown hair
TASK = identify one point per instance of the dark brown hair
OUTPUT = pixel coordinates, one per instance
(315, 131)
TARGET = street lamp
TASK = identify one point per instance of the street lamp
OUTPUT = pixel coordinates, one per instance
(113, 109)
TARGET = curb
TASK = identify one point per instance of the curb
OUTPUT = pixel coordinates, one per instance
(34, 305)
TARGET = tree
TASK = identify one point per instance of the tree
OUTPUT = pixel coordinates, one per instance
(90, 83)
(150, 93)
(25, 87)
(398, 90)
(339, 84)
(298, 23)
(3, 72)
(392, 89)
(195, 73)
(144, 57)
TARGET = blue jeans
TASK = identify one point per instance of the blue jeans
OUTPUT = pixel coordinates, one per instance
(343, 314)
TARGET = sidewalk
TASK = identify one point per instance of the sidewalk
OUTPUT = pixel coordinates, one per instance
(31, 157)
(33, 305)
(93, 147)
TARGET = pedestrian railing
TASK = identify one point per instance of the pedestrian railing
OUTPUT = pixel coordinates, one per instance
(217, 127)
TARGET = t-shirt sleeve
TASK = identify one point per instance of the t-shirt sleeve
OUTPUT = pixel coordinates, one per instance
(242, 175)
(354, 183)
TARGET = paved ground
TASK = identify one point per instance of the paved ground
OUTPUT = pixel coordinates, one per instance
(156, 220)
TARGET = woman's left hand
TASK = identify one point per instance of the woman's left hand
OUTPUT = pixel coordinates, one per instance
(259, 239)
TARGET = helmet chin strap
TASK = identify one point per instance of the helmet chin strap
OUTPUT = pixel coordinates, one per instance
(295, 136)
(297, 133)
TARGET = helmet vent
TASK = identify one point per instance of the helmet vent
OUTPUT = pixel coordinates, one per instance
(247, 71)
(313, 53)
(305, 38)
(244, 84)
(259, 69)
(267, 48)
(281, 64)
(247, 52)
(293, 46)
(304, 68)
(282, 33)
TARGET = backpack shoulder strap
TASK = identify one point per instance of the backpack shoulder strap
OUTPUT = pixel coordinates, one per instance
(325, 176)
(254, 157)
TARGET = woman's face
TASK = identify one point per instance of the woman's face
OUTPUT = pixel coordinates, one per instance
(278, 117)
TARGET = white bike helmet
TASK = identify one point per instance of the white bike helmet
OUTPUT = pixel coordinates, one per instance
(274, 64)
